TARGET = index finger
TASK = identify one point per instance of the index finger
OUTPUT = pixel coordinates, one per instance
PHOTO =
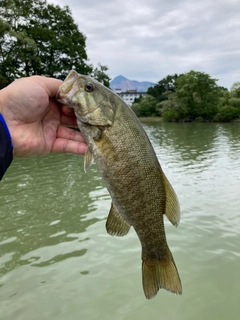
(50, 85)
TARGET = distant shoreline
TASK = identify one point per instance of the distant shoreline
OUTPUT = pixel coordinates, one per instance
(160, 119)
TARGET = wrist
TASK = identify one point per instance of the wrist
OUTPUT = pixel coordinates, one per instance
(3, 118)
(6, 148)
(5, 127)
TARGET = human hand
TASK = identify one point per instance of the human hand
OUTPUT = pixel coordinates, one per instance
(36, 121)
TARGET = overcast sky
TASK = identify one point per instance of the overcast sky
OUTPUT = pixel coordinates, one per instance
(147, 40)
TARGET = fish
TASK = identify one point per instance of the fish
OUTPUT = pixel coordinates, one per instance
(140, 191)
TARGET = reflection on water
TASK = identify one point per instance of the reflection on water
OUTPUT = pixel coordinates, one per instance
(44, 207)
(58, 262)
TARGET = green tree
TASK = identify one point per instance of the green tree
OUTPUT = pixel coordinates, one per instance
(164, 85)
(136, 109)
(200, 94)
(229, 104)
(146, 107)
(235, 90)
(234, 95)
(5, 45)
(100, 75)
(40, 38)
(226, 113)
(172, 109)
(196, 96)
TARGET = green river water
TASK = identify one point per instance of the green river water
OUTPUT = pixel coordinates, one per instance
(57, 262)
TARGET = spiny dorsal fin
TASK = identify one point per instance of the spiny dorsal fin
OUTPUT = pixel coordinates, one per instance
(88, 159)
(116, 225)
(172, 209)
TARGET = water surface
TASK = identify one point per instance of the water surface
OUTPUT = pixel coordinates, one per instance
(58, 262)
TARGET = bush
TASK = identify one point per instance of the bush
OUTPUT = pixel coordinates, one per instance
(234, 102)
(170, 115)
(226, 114)
(136, 109)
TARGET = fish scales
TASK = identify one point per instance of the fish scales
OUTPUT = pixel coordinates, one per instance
(126, 160)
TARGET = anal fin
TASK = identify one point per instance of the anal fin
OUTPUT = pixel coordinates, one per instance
(172, 210)
(116, 225)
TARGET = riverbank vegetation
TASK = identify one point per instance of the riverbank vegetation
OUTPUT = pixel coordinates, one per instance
(193, 96)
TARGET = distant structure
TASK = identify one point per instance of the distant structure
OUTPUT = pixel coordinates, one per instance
(129, 96)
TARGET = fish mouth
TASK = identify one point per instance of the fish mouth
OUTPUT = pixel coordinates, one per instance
(66, 90)
(60, 97)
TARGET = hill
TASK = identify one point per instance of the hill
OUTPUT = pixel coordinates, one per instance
(125, 84)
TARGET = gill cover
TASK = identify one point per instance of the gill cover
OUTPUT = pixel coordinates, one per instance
(103, 115)
(99, 101)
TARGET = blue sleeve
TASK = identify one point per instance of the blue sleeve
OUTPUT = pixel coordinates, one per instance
(6, 148)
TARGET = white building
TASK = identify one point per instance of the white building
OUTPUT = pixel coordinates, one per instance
(130, 95)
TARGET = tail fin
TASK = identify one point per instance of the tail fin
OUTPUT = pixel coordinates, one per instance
(158, 274)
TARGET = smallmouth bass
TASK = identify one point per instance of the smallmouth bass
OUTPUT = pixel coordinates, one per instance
(141, 194)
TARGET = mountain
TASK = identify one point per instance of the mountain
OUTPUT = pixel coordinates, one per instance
(125, 84)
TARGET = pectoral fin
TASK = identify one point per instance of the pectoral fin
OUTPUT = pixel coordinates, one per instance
(172, 209)
(116, 225)
(88, 159)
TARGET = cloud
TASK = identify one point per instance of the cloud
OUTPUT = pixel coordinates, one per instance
(147, 40)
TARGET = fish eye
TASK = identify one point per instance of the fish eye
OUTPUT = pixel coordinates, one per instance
(89, 87)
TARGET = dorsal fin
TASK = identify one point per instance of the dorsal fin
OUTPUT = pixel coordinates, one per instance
(116, 225)
(172, 210)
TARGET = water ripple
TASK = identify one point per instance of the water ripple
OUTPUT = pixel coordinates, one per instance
(56, 256)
